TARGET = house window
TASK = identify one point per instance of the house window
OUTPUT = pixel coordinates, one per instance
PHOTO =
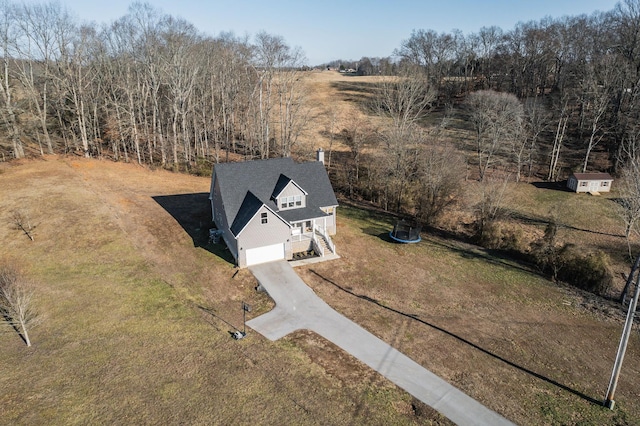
(605, 183)
(291, 202)
(583, 183)
(263, 218)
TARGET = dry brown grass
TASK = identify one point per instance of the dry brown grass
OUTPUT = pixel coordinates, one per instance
(336, 101)
(529, 349)
(123, 278)
(124, 341)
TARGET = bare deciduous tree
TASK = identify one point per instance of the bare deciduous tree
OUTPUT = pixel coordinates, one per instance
(432, 51)
(356, 134)
(8, 108)
(38, 51)
(498, 120)
(596, 95)
(22, 222)
(405, 99)
(629, 190)
(439, 181)
(558, 140)
(16, 302)
(491, 205)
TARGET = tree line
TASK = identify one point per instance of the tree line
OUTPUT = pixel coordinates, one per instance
(541, 100)
(576, 75)
(151, 88)
(147, 87)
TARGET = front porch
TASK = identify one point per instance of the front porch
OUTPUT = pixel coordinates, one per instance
(310, 238)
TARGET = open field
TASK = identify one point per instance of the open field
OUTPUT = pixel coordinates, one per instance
(137, 310)
(137, 314)
(137, 306)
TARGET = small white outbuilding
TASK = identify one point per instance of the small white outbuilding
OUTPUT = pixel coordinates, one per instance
(590, 182)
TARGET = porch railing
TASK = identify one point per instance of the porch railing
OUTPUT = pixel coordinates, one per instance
(301, 237)
(317, 246)
(325, 236)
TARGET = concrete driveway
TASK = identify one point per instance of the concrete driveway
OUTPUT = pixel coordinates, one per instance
(298, 307)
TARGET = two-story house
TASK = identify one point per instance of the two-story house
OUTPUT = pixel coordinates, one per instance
(269, 210)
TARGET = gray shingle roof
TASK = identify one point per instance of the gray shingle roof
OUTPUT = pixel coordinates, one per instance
(260, 178)
(250, 205)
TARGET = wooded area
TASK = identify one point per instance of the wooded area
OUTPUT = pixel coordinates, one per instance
(148, 88)
(540, 99)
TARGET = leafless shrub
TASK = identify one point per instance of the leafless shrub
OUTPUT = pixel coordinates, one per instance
(23, 223)
(16, 302)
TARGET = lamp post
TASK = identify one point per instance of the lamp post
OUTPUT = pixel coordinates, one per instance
(240, 334)
(245, 308)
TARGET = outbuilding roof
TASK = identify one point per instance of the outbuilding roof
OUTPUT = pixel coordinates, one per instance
(245, 186)
(592, 176)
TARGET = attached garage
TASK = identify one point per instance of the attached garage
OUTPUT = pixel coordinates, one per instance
(265, 254)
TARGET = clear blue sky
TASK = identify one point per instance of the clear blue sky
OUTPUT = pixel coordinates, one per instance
(343, 29)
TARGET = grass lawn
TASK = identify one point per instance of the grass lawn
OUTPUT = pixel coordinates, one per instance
(137, 310)
(136, 315)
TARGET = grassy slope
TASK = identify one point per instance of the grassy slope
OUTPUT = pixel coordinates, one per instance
(123, 340)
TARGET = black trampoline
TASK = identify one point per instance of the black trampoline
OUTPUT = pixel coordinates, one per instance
(406, 232)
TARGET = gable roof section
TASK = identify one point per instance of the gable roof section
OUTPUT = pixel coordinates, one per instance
(283, 182)
(249, 207)
(261, 177)
(593, 176)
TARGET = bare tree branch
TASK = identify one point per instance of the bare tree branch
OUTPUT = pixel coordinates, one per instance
(16, 302)
(22, 222)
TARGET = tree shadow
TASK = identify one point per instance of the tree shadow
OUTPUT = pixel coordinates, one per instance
(556, 186)
(12, 323)
(382, 234)
(414, 317)
(503, 258)
(537, 220)
(193, 213)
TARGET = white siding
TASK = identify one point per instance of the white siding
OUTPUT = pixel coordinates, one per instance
(257, 234)
(291, 190)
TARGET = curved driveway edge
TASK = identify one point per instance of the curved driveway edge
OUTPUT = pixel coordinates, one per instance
(298, 307)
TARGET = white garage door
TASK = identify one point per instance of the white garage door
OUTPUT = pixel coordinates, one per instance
(265, 254)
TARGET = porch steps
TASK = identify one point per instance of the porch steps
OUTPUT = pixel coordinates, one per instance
(325, 247)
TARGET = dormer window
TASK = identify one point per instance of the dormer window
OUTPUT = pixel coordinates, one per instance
(290, 202)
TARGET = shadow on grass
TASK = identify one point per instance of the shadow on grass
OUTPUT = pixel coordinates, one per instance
(12, 324)
(468, 250)
(193, 213)
(463, 340)
(533, 220)
(211, 312)
(380, 233)
(556, 186)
